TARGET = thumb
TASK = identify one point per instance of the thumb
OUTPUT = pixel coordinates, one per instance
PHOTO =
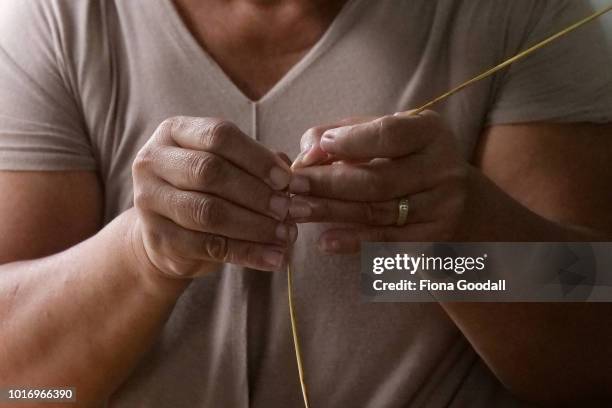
(311, 156)
(311, 153)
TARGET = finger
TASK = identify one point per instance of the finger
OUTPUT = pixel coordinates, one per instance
(423, 207)
(208, 173)
(194, 245)
(283, 156)
(389, 136)
(310, 150)
(348, 241)
(207, 213)
(226, 140)
(380, 180)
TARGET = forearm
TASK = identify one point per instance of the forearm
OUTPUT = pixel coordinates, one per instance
(492, 215)
(82, 317)
(537, 350)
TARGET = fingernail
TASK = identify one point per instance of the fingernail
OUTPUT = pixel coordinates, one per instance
(286, 232)
(330, 135)
(293, 233)
(299, 209)
(279, 206)
(309, 158)
(299, 184)
(278, 178)
(298, 160)
(305, 147)
(411, 112)
(273, 258)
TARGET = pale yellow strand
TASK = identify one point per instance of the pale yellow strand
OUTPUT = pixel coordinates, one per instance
(511, 60)
(296, 339)
(486, 74)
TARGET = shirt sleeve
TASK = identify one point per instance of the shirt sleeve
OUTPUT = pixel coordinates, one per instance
(41, 125)
(569, 80)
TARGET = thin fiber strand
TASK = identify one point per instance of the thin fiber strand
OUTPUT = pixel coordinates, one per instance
(296, 339)
(511, 60)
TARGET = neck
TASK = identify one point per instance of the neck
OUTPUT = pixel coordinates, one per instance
(259, 9)
(267, 4)
(263, 21)
(257, 41)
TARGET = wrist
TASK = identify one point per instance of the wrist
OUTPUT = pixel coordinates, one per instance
(136, 258)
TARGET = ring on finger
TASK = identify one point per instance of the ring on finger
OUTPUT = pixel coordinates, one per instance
(402, 213)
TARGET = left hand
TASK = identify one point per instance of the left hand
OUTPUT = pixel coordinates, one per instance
(358, 173)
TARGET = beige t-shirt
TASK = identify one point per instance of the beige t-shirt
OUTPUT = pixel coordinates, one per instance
(84, 83)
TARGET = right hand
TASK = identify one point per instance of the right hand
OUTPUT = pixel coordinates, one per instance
(206, 194)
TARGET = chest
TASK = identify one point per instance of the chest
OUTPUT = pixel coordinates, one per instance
(256, 46)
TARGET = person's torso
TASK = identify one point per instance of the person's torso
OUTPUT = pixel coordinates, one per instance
(228, 341)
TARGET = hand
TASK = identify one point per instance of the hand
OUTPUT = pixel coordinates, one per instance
(311, 152)
(373, 165)
(205, 194)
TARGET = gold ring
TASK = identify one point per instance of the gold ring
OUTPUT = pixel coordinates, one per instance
(402, 214)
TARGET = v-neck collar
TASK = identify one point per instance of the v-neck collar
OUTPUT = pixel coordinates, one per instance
(338, 26)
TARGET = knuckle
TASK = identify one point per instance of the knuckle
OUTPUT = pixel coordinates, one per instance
(195, 168)
(147, 195)
(170, 122)
(142, 198)
(390, 131)
(250, 255)
(170, 125)
(144, 159)
(207, 212)
(216, 134)
(205, 169)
